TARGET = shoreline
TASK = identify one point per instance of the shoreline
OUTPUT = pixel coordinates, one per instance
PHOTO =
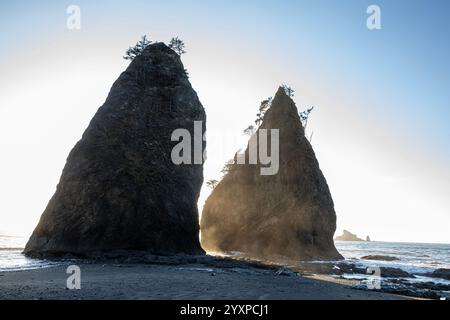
(351, 273)
(216, 279)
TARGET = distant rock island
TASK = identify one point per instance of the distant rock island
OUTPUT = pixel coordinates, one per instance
(289, 214)
(348, 236)
(119, 188)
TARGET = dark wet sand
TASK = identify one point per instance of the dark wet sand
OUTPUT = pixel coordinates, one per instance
(190, 281)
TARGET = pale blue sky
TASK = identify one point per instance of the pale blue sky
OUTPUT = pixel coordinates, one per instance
(382, 96)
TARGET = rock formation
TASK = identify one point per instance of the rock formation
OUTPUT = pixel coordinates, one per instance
(289, 214)
(119, 189)
(368, 239)
(348, 236)
(380, 257)
(440, 273)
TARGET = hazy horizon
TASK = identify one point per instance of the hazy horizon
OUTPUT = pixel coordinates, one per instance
(380, 125)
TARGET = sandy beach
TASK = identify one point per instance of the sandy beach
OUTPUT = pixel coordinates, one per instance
(184, 281)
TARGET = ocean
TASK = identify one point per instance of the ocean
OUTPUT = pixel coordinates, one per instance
(12, 259)
(415, 258)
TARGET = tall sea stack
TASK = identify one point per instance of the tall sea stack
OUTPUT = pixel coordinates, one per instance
(289, 214)
(119, 188)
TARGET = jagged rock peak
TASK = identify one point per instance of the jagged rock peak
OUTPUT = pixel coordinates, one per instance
(287, 214)
(119, 189)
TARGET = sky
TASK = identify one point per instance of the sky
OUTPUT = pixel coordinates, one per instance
(381, 97)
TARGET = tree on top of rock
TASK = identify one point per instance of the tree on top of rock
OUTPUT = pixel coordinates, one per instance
(304, 115)
(133, 52)
(229, 165)
(289, 91)
(177, 45)
(250, 130)
(265, 104)
(212, 183)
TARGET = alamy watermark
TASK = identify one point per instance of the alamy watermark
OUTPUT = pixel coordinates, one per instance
(258, 150)
(374, 282)
(74, 280)
(259, 143)
(182, 152)
(74, 19)
(374, 19)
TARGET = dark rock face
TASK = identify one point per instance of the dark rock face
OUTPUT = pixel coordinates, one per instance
(286, 215)
(440, 273)
(348, 236)
(119, 189)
